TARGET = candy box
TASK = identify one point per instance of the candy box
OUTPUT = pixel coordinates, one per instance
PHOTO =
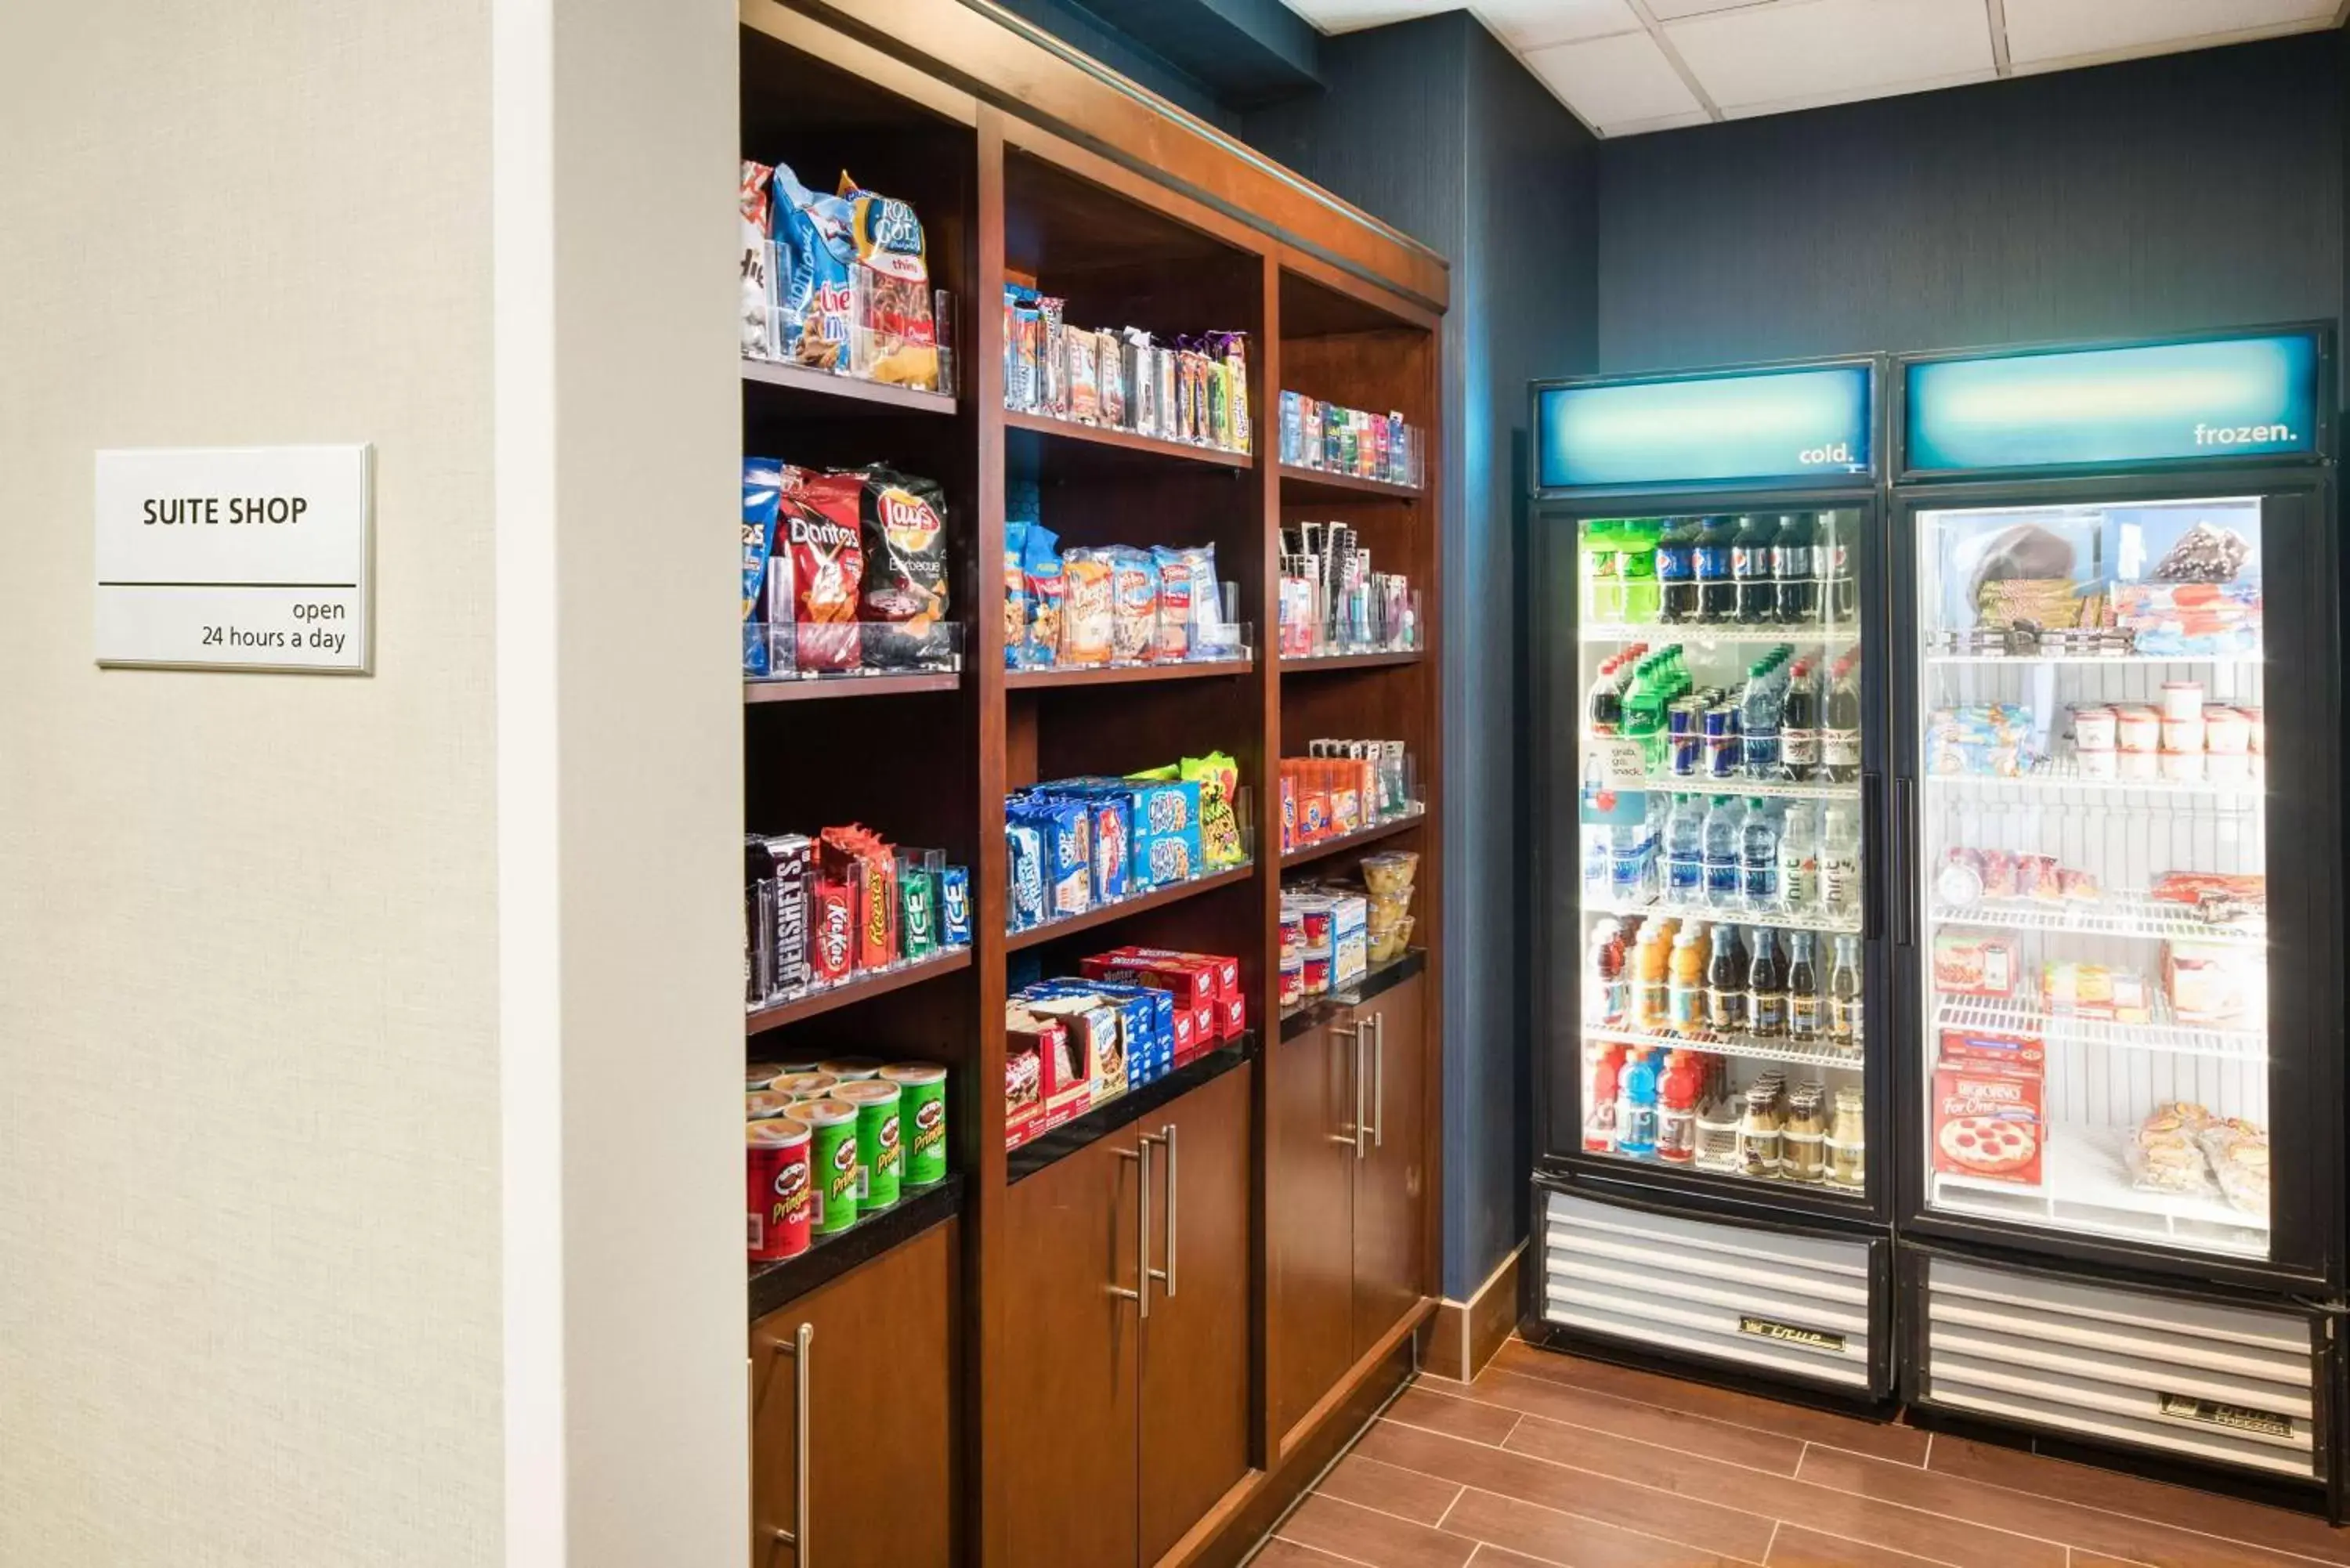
(1031, 1043)
(1988, 1125)
(1089, 1042)
(791, 859)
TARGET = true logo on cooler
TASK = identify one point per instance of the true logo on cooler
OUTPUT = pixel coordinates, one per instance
(2241, 435)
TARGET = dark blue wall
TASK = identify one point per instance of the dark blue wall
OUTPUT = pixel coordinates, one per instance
(1434, 127)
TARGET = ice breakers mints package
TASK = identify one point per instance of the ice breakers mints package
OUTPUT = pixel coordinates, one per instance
(954, 905)
(762, 487)
(817, 238)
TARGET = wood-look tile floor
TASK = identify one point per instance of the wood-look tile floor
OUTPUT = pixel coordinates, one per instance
(1550, 1461)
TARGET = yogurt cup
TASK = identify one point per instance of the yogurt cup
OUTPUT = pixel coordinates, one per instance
(2094, 729)
(2183, 734)
(2226, 733)
(2137, 729)
(2229, 767)
(2104, 764)
(2182, 767)
(2182, 700)
(2133, 764)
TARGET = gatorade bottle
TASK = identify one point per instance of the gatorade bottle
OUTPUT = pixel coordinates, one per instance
(1685, 981)
(1635, 1110)
(1677, 1110)
(1600, 1112)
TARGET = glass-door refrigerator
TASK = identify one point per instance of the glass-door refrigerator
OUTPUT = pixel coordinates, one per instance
(1705, 636)
(2115, 924)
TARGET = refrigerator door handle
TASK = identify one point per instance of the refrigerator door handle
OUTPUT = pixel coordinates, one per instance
(1905, 828)
(1872, 812)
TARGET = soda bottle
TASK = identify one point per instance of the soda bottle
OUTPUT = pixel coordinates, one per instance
(1798, 601)
(1840, 730)
(1832, 557)
(1635, 1110)
(1685, 852)
(1603, 588)
(1684, 980)
(1677, 1109)
(1717, 590)
(1799, 858)
(1804, 1009)
(1840, 860)
(1721, 854)
(1599, 1109)
(1758, 723)
(1799, 724)
(1766, 989)
(1758, 854)
(1677, 571)
(1725, 983)
(1750, 567)
(1635, 568)
(1603, 713)
(1843, 996)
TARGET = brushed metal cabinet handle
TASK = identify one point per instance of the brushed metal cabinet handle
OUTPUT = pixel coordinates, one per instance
(1379, 1080)
(1166, 1135)
(1353, 1136)
(1140, 1294)
(800, 1351)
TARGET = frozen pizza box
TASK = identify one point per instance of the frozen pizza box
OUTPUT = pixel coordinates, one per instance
(1988, 1125)
(2004, 1049)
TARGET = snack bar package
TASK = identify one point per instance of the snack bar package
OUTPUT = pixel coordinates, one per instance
(892, 337)
(821, 527)
(758, 296)
(902, 521)
(762, 489)
(817, 238)
(1089, 609)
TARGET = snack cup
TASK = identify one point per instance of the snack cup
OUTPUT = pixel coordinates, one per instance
(2182, 767)
(1390, 872)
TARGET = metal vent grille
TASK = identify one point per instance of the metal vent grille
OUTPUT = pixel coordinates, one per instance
(2198, 1380)
(1793, 1307)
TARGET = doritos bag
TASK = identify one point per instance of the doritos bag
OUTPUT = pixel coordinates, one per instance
(821, 529)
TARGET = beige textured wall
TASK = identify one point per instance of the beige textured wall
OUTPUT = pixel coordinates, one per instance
(249, 1186)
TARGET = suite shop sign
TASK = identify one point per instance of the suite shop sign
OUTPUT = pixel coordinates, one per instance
(251, 558)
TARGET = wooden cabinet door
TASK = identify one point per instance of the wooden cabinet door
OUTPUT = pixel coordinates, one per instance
(1390, 1191)
(1195, 1342)
(1070, 1357)
(880, 1374)
(1312, 1148)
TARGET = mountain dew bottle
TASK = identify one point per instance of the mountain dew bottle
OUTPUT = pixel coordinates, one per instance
(1635, 569)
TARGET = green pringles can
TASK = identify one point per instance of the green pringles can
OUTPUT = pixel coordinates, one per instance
(832, 1162)
(921, 1119)
(880, 1152)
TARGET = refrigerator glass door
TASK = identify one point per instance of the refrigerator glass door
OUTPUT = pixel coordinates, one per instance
(1720, 894)
(2090, 883)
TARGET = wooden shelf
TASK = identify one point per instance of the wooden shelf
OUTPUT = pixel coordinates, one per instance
(824, 688)
(1346, 841)
(776, 1285)
(1310, 664)
(1145, 446)
(840, 394)
(1377, 979)
(1121, 675)
(1060, 1142)
(863, 988)
(1318, 485)
(1102, 915)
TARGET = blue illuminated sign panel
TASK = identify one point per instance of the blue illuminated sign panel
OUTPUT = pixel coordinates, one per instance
(1752, 425)
(2098, 407)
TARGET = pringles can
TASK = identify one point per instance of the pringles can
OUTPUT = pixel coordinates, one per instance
(880, 1156)
(921, 1119)
(782, 1198)
(832, 1162)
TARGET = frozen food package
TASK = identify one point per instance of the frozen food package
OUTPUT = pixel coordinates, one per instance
(758, 295)
(892, 335)
(1087, 607)
(2239, 1153)
(2204, 554)
(817, 246)
(903, 521)
(2212, 983)
(1975, 963)
(1134, 605)
(2165, 1154)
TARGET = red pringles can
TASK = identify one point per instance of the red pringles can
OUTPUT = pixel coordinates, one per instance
(783, 1204)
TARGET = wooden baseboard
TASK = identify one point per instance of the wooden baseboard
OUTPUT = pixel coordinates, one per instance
(1252, 1509)
(1467, 1333)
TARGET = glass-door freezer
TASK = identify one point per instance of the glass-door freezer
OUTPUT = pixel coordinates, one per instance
(2117, 751)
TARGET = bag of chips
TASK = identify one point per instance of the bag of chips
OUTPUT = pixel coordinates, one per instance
(892, 336)
(1018, 602)
(1048, 582)
(820, 523)
(904, 526)
(762, 489)
(817, 239)
(758, 301)
(1134, 605)
(1218, 776)
(1088, 612)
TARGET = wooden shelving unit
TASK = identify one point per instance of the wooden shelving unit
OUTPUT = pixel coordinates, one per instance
(1069, 179)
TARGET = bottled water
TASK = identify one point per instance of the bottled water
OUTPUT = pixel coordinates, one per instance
(1758, 721)
(1840, 860)
(1685, 851)
(1722, 881)
(1758, 839)
(1799, 858)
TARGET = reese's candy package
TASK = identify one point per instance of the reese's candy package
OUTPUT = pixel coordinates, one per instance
(868, 868)
(903, 520)
(892, 334)
(822, 529)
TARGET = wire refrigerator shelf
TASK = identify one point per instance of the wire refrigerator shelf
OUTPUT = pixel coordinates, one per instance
(2110, 915)
(2164, 1033)
(1744, 1048)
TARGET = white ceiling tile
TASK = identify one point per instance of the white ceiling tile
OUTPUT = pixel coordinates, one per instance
(1350, 15)
(1829, 50)
(1535, 24)
(1661, 122)
(1625, 77)
(1673, 10)
(2061, 29)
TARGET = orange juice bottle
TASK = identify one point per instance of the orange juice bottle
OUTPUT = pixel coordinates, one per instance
(1656, 947)
(1684, 980)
